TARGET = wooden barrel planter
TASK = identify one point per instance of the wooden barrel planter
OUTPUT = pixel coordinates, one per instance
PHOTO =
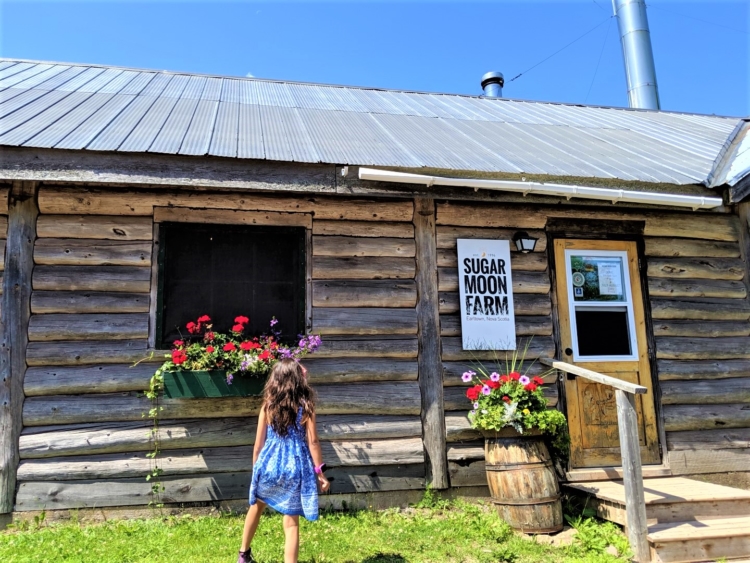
(522, 481)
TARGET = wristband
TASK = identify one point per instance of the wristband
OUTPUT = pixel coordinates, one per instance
(320, 469)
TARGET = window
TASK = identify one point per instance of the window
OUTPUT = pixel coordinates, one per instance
(229, 270)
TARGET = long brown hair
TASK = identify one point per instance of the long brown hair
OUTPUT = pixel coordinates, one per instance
(286, 391)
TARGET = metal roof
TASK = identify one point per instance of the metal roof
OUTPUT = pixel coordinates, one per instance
(73, 106)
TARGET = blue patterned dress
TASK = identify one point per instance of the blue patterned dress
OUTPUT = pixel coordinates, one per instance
(284, 476)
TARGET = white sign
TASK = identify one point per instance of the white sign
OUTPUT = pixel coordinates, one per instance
(610, 278)
(486, 295)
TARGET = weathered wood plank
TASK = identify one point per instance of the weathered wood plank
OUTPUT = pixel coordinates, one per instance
(452, 371)
(458, 428)
(398, 398)
(450, 325)
(718, 439)
(682, 247)
(362, 246)
(361, 293)
(523, 282)
(94, 227)
(530, 304)
(123, 326)
(22, 216)
(363, 268)
(2, 254)
(700, 417)
(470, 474)
(696, 268)
(231, 217)
(122, 437)
(666, 287)
(706, 369)
(357, 347)
(705, 329)
(80, 302)
(466, 451)
(364, 320)
(540, 346)
(346, 370)
(362, 229)
(668, 348)
(91, 252)
(702, 392)
(701, 309)
(87, 352)
(697, 461)
(532, 262)
(447, 235)
(455, 397)
(104, 378)
(92, 278)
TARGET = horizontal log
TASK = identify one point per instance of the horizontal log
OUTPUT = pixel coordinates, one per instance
(668, 348)
(531, 262)
(447, 236)
(683, 247)
(466, 452)
(700, 392)
(523, 304)
(541, 346)
(105, 201)
(362, 229)
(697, 268)
(121, 437)
(94, 227)
(708, 461)
(452, 371)
(363, 268)
(214, 460)
(454, 398)
(125, 326)
(717, 439)
(4, 215)
(342, 320)
(360, 293)
(523, 282)
(666, 287)
(91, 252)
(450, 325)
(700, 417)
(362, 246)
(357, 347)
(231, 217)
(347, 370)
(712, 329)
(105, 378)
(701, 309)
(78, 353)
(92, 278)
(43, 302)
(399, 398)
(2, 254)
(471, 474)
(458, 428)
(706, 369)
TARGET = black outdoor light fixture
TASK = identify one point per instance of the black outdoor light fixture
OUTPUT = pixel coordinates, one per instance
(524, 242)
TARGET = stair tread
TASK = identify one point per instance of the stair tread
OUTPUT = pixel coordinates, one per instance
(663, 490)
(700, 529)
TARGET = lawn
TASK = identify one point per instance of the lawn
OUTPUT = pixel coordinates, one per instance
(441, 532)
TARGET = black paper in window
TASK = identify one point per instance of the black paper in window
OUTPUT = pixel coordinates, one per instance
(224, 271)
(603, 333)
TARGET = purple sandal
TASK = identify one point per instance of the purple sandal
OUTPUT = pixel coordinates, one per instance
(246, 556)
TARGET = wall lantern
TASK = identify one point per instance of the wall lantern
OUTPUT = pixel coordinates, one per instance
(524, 242)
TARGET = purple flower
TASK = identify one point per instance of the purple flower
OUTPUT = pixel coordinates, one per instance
(476, 406)
(523, 380)
(230, 378)
(494, 376)
(486, 390)
(466, 377)
(274, 321)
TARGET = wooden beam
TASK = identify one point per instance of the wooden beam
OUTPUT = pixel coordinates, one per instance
(364, 320)
(707, 328)
(674, 247)
(231, 217)
(429, 359)
(329, 227)
(701, 309)
(595, 376)
(124, 326)
(364, 293)
(679, 348)
(362, 268)
(362, 246)
(696, 268)
(88, 302)
(703, 369)
(16, 310)
(706, 392)
(717, 439)
(93, 278)
(94, 227)
(704, 417)
(91, 252)
(668, 287)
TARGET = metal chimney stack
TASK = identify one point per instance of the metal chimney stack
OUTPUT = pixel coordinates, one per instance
(492, 84)
(640, 71)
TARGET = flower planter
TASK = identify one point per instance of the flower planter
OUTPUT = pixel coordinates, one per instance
(522, 481)
(202, 384)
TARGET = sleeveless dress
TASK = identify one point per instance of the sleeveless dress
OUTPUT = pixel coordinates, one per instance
(284, 476)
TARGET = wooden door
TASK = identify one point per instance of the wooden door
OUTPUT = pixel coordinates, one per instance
(603, 328)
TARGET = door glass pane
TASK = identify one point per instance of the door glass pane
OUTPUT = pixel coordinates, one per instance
(603, 331)
(597, 278)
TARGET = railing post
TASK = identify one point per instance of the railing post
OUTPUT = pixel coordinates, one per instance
(635, 505)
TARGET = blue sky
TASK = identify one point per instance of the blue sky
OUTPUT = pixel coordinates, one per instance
(702, 49)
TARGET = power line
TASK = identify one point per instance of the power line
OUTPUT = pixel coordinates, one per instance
(596, 70)
(597, 26)
(600, 6)
(650, 5)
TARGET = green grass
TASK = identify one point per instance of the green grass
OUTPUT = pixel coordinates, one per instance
(441, 533)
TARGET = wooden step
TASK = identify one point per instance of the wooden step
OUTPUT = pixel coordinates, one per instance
(700, 540)
(668, 499)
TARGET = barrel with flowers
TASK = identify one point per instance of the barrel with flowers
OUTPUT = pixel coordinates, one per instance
(511, 412)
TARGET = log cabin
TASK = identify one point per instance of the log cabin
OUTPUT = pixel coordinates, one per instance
(338, 210)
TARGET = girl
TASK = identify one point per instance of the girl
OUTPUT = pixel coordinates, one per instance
(287, 460)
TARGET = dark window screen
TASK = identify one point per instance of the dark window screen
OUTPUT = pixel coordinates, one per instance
(224, 271)
(603, 333)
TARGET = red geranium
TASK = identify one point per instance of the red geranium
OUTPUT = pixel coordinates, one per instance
(241, 320)
(238, 328)
(229, 347)
(204, 319)
(265, 355)
(493, 384)
(472, 393)
(506, 398)
(178, 357)
(538, 380)
(210, 349)
(178, 343)
(209, 336)
(192, 327)
(504, 379)
(514, 375)
(530, 387)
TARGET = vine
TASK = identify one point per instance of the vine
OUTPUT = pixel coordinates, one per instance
(153, 393)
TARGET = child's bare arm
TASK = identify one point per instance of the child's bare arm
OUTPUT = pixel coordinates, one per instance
(260, 435)
(317, 454)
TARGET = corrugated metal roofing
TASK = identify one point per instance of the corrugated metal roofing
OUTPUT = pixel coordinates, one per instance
(71, 106)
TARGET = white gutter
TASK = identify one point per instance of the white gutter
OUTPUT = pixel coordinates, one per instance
(538, 188)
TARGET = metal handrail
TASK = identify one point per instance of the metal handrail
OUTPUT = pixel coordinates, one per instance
(630, 451)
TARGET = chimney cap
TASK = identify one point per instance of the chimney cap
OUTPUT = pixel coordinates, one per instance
(493, 77)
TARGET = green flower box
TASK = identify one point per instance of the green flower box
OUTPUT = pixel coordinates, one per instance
(203, 384)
